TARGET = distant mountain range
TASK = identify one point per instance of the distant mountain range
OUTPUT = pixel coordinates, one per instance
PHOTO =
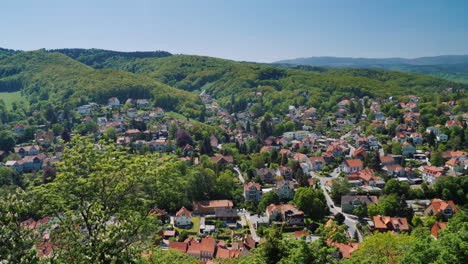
(451, 67)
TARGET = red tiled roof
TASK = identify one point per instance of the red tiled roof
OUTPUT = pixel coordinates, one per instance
(440, 205)
(180, 246)
(250, 184)
(183, 210)
(344, 248)
(354, 163)
(435, 229)
(390, 223)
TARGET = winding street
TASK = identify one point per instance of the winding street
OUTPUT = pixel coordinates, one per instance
(349, 221)
(239, 175)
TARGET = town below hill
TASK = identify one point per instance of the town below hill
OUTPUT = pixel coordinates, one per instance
(159, 158)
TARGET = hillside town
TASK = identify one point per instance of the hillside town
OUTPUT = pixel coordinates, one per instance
(374, 160)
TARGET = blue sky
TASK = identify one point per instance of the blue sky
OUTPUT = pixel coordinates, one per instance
(252, 30)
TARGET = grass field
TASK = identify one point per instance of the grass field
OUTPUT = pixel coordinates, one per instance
(9, 98)
(196, 225)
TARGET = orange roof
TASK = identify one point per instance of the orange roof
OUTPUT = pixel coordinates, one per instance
(250, 184)
(440, 205)
(435, 229)
(344, 248)
(212, 204)
(180, 246)
(298, 234)
(223, 253)
(183, 210)
(354, 163)
(390, 223)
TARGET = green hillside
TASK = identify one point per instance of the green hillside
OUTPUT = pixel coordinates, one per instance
(7, 52)
(56, 78)
(322, 87)
(98, 58)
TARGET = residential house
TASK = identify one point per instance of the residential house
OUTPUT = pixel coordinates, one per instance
(252, 192)
(133, 133)
(436, 227)
(455, 164)
(400, 137)
(267, 175)
(441, 137)
(296, 134)
(437, 206)
(360, 153)
(183, 218)
(44, 138)
(19, 129)
(31, 150)
(387, 223)
(350, 202)
(317, 163)
(113, 101)
(387, 160)
(417, 138)
(142, 102)
(132, 113)
(453, 123)
(207, 207)
(394, 170)
(285, 190)
(352, 165)
(223, 160)
(17, 165)
(344, 249)
(287, 213)
(407, 149)
(299, 235)
(434, 130)
(33, 163)
(285, 172)
(85, 109)
(430, 174)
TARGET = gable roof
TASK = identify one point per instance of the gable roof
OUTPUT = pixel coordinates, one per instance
(440, 205)
(390, 223)
(183, 210)
(252, 184)
(353, 163)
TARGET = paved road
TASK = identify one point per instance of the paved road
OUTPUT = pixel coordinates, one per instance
(349, 221)
(246, 217)
(239, 175)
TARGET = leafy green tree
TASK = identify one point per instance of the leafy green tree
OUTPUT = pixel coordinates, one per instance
(340, 187)
(382, 248)
(274, 248)
(311, 201)
(267, 199)
(7, 141)
(340, 218)
(100, 205)
(16, 242)
(437, 159)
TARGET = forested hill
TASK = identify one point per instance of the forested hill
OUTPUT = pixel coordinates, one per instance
(322, 87)
(7, 52)
(366, 62)
(60, 80)
(454, 67)
(98, 58)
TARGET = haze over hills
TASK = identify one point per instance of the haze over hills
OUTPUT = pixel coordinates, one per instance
(451, 67)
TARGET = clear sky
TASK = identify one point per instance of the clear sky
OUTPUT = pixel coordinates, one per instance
(252, 30)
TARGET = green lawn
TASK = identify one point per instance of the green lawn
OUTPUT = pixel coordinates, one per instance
(179, 116)
(196, 225)
(9, 98)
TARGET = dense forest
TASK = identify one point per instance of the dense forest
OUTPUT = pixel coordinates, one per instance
(55, 78)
